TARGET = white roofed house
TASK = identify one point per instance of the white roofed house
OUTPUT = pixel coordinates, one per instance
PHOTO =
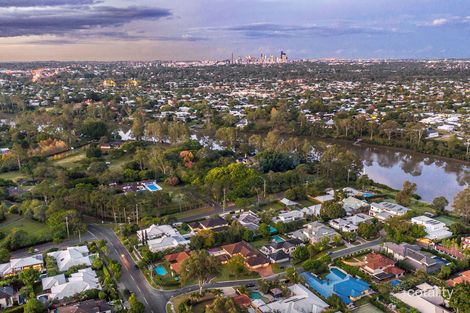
(161, 237)
(70, 257)
(17, 265)
(352, 205)
(313, 210)
(350, 223)
(435, 230)
(384, 210)
(164, 243)
(156, 231)
(315, 232)
(249, 220)
(300, 300)
(59, 288)
(289, 216)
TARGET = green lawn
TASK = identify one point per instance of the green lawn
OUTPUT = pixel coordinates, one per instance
(448, 220)
(226, 275)
(14, 176)
(368, 308)
(72, 160)
(190, 213)
(32, 228)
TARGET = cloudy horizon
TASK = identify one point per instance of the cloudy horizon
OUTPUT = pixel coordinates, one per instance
(108, 30)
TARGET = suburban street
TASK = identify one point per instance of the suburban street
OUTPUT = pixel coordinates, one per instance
(132, 278)
(367, 245)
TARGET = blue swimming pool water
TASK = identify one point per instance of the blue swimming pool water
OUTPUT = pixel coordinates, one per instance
(278, 239)
(339, 283)
(440, 260)
(153, 187)
(255, 295)
(395, 282)
(366, 194)
(272, 230)
(160, 270)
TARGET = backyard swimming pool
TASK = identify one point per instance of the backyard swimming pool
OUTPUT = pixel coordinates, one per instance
(255, 295)
(337, 282)
(153, 186)
(278, 239)
(395, 282)
(160, 270)
(272, 230)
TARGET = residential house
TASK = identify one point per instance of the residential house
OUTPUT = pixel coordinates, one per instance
(215, 224)
(300, 300)
(72, 256)
(435, 230)
(288, 202)
(315, 232)
(49, 282)
(17, 265)
(313, 210)
(164, 243)
(85, 279)
(249, 220)
(325, 198)
(7, 297)
(353, 205)
(384, 210)
(463, 277)
(466, 242)
(412, 256)
(88, 306)
(176, 260)
(279, 252)
(243, 301)
(380, 267)
(427, 298)
(350, 223)
(253, 259)
(453, 252)
(289, 216)
(156, 231)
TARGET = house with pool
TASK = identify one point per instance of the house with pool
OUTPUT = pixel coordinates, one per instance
(337, 282)
(148, 185)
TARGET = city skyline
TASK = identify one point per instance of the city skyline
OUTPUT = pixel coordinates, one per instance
(109, 30)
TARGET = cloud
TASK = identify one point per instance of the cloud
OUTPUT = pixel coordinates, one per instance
(449, 21)
(80, 38)
(60, 21)
(271, 30)
(42, 3)
(439, 21)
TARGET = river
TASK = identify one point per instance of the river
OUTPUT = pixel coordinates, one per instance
(433, 176)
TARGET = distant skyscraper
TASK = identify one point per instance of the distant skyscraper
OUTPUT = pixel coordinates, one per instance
(283, 56)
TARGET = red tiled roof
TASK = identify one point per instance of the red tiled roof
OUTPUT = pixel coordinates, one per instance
(376, 261)
(455, 252)
(394, 270)
(464, 277)
(242, 301)
(241, 248)
(177, 257)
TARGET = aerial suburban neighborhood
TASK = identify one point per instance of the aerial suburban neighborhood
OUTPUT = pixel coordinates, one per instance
(216, 197)
(261, 156)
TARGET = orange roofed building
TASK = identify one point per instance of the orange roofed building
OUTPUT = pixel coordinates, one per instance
(176, 260)
(253, 259)
(380, 267)
(463, 277)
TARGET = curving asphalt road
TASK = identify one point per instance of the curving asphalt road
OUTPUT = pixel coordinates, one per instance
(155, 300)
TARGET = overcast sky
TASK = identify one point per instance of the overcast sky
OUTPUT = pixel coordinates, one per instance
(213, 29)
